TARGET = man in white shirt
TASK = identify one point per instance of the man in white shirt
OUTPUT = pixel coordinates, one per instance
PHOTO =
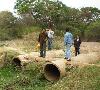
(50, 38)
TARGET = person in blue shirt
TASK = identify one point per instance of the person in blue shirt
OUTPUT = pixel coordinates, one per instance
(68, 41)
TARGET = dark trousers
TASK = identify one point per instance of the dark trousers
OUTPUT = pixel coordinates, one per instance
(77, 51)
(49, 43)
(43, 49)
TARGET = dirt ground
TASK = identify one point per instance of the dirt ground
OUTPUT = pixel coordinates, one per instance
(85, 49)
(90, 52)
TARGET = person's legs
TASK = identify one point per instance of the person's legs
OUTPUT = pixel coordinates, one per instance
(44, 49)
(78, 51)
(49, 43)
(75, 51)
(41, 49)
(65, 52)
(68, 52)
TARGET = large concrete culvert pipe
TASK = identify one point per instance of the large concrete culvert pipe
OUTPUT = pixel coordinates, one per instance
(54, 70)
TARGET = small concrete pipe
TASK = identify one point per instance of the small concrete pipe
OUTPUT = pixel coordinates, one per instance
(54, 70)
(21, 60)
(24, 59)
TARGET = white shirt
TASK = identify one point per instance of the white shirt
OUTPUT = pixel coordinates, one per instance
(50, 33)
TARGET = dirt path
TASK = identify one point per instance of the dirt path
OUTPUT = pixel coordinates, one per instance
(90, 53)
(87, 47)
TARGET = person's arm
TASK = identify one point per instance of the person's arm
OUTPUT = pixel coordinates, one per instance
(46, 36)
(65, 39)
(39, 38)
(52, 32)
(80, 40)
(72, 40)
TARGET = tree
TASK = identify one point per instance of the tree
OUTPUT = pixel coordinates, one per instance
(6, 19)
(8, 26)
(55, 14)
(89, 14)
(93, 31)
(45, 12)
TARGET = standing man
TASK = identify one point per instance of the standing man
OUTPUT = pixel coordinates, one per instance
(77, 42)
(68, 41)
(42, 40)
(50, 38)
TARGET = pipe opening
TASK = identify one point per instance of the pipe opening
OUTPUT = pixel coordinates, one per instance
(16, 62)
(51, 72)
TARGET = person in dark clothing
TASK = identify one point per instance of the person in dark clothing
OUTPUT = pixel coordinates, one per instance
(42, 40)
(77, 42)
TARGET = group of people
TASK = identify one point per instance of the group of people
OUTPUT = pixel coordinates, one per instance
(47, 35)
(44, 36)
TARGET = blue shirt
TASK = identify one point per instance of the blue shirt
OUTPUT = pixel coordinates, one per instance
(68, 38)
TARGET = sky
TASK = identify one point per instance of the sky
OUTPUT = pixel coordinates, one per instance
(82, 3)
(9, 4)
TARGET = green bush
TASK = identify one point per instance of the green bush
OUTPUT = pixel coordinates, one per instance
(93, 31)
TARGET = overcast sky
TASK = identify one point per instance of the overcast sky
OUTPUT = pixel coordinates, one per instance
(82, 3)
(9, 4)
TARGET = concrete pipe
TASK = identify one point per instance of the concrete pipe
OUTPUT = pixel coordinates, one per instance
(54, 70)
(2, 59)
(21, 60)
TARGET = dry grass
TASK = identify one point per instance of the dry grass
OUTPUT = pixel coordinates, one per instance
(87, 47)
